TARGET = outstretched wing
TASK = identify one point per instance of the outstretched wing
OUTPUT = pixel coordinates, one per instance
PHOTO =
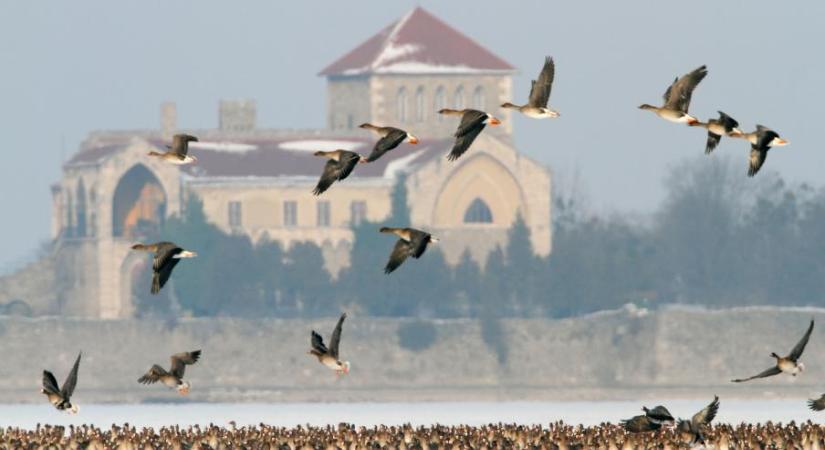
(727, 121)
(463, 142)
(162, 274)
(713, 141)
(179, 361)
(540, 89)
(800, 346)
(399, 254)
(393, 139)
(152, 375)
(418, 243)
(640, 424)
(318, 343)
(348, 162)
(679, 93)
(71, 380)
(471, 119)
(335, 340)
(767, 373)
(707, 414)
(818, 404)
(757, 159)
(180, 144)
(50, 383)
(332, 171)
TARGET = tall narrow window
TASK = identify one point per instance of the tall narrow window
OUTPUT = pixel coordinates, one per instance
(323, 213)
(439, 102)
(458, 98)
(479, 102)
(235, 214)
(478, 212)
(419, 104)
(358, 212)
(290, 213)
(402, 104)
(80, 210)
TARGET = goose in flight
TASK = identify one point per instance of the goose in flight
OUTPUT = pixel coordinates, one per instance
(174, 377)
(328, 356)
(167, 255)
(61, 397)
(818, 404)
(725, 125)
(391, 137)
(788, 364)
(536, 106)
(659, 414)
(177, 152)
(762, 140)
(411, 242)
(677, 98)
(339, 166)
(472, 123)
(693, 431)
(640, 424)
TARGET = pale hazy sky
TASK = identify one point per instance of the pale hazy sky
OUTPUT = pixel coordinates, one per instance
(67, 68)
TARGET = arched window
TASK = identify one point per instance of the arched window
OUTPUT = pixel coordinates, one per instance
(458, 99)
(479, 102)
(402, 104)
(439, 102)
(478, 212)
(419, 104)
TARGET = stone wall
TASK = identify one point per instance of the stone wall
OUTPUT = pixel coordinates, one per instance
(676, 352)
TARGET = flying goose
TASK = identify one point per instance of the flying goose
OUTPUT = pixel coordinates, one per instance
(677, 98)
(536, 106)
(788, 364)
(659, 414)
(167, 255)
(411, 242)
(725, 125)
(391, 137)
(328, 356)
(61, 397)
(818, 404)
(762, 140)
(692, 431)
(174, 377)
(472, 123)
(640, 424)
(177, 151)
(338, 167)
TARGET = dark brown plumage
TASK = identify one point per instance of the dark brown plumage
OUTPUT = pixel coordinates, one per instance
(391, 138)
(167, 255)
(340, 164)
(789, 364)
(174, 377)
(58, 396)
(472, 124)
(411, 242)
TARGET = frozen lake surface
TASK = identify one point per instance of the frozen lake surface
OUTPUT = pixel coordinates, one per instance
(475, 413)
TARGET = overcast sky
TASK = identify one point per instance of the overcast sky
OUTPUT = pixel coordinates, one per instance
(67, 68)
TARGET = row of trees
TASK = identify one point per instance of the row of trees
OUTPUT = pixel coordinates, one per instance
(717, 239)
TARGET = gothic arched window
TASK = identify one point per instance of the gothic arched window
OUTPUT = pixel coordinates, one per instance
(478, 212)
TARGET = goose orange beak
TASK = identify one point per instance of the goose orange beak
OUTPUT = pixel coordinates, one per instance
(413, 140)
(780, 142)
(494, 121)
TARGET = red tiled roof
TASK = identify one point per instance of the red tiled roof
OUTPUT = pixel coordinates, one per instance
(418, 43)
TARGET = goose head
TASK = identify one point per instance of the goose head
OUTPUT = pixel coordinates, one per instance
(647, 107)
(550, 113)
(492, 121)
(412, 139)
(778, 142)
(183, 388)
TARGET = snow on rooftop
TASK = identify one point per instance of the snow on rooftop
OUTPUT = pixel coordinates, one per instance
(230, 147)
(402, 164)
(318, 144)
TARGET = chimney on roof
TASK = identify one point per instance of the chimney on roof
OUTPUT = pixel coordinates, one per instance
(168, 118)
(237, 115)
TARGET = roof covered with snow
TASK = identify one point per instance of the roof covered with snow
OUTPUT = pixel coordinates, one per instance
(418, 43)
(271, 157)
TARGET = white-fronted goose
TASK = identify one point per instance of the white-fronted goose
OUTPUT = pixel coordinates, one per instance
(536, 106)
(640, 424)
(411, 242)
(391, 137)
(167, 255)
(788, 364)
(177, 153)
(762, 140)
(328, 356)
(61, 397)
(472, 123)
(174, 377)
(677, 98)
(692, 431)
(725, 125)
(659, 414)
(339, 166)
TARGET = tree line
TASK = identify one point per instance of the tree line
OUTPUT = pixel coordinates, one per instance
(717, 239)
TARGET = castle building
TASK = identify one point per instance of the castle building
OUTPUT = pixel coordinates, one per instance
(259, 181)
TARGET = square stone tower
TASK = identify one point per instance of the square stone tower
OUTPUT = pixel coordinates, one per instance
(408, 71)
